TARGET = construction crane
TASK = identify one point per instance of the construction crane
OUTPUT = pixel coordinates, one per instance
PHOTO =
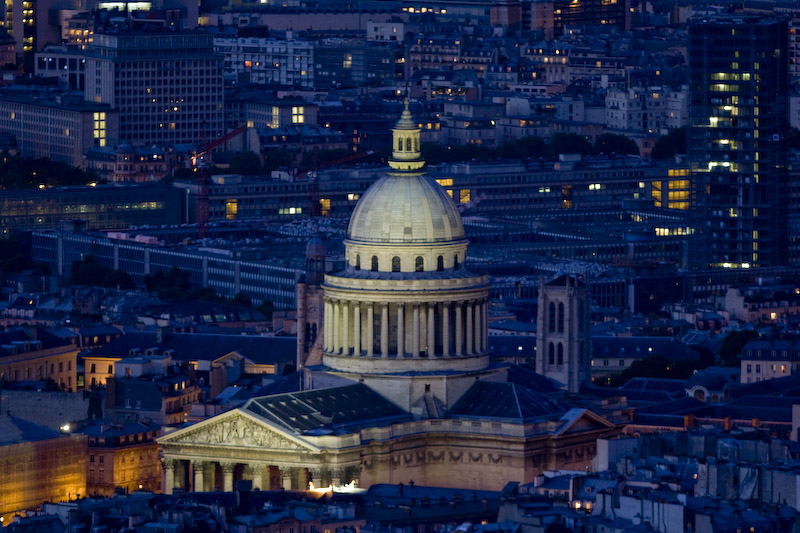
(201, 164)
(314, 206)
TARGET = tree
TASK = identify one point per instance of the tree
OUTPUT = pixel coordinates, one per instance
(245, 163)
(118, 279)
(241, 299)
(88, 271)
(731, 349)
(276, 158)
(611, 143)
(524, 148)
(570, 143)
(266, 309)
(674, 142)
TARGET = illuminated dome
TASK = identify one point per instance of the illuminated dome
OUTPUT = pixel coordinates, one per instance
(405, 209)
(405, 206)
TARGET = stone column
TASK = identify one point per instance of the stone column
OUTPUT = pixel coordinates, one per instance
(401, 330)
(346, 328)
(169, 476)
(470, 329)
(446, 328)
(459, 309)
(384, 329)
(415, 331)
(258, 476)
(198, 468)
(356, 328)
(486, 326)
(370, 328)
(336, 476)
(431, 330)
(227, 476)
(315, 477)
(337, 339)
(328, 318)
(478, 329)
(286, 477)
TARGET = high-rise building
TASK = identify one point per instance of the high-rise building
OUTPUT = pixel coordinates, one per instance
(167, 85)
(738, 121)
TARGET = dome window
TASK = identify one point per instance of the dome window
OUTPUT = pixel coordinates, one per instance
(374, 263)
(440, 263)
(358, 261)
(419, 264)
(455, 262)
(395, 264)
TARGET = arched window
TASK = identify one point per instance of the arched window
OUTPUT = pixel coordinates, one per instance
(560, 354)
(395, 264)
(408, 144)
(440, 263)
(552, 354)
(455, 262)
(419, 264)
(399, 145)
(358, 261)
(374, 263)
(552, 318)
(561, 317)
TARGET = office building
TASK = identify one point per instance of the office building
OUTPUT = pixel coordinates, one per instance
(58, 126)
(738, 118)
(166, 85)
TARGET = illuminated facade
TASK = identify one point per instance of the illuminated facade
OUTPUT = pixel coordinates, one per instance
(738, 120)
(38, 465)
(33, 354)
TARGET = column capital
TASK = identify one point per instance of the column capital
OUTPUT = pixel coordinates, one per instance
(228, 468)
(169, 464)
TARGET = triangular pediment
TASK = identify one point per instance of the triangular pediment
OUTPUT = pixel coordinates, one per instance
(583, 420)
(240, 429)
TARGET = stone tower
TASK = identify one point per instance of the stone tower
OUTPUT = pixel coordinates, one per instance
(310, 305)
(563, 332)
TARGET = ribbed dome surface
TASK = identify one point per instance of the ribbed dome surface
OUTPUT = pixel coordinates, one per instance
(405, 209)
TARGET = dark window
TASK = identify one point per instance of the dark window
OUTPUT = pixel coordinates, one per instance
(358, 262)
(560, 354)
(552, 317)
(395, 264)
(551, 354)
(374, 263)
(419, 264)
(561, 317)
(455, 262)
(440, 263)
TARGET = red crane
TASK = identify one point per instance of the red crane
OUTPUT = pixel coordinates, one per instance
(201, 163)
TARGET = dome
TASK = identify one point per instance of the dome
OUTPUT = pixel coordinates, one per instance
(405, 209)
(316, 248)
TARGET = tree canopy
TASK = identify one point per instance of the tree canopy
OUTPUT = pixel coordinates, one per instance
(674, 142)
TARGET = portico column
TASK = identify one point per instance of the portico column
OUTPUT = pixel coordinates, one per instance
(459, 309)
(227, 476)
(486, 326)
(415, 330)
(384, 329)
(469, 350)
(258, 476)
(328, 318)
(346, 328)
(357, 328)
(478, 330)
(431, 329)
(198, 468)
(336, 476)
(169, 476)
(370, 328)
(446, 328)
(286, 478)
(337, 343)
(401, 331)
